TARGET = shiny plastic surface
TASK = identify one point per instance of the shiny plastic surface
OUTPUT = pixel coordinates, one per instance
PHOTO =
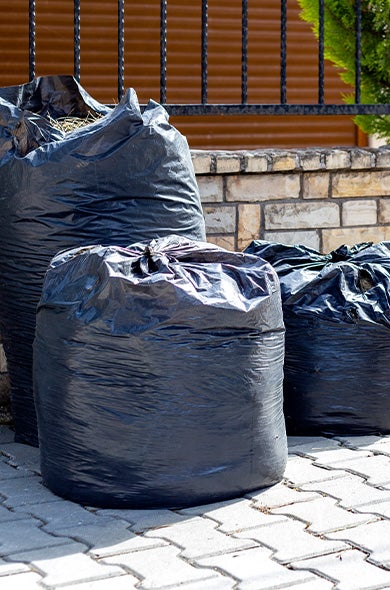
(337, 314)
(124, 178)
(158, 375)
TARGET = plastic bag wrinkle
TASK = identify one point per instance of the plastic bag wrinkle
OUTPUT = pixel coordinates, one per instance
(336, 309)
(172, 395)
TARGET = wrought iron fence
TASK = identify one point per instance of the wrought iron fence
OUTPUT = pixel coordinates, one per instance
(242, 108)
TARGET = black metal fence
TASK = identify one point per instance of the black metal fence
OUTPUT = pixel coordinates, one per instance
(242, 108)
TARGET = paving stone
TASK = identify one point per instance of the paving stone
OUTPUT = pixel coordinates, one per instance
(235, 515)
(351, 491)
(375, 468)
(106, 538)
(301, 444)
(280, 495)
(323, 515)
(142, 520)
(9, 472)
(199, 537)
(372, 538)
(58, 516)
(67, 564)
(300, 470)
(161, 567)
(6, 435)
(124, 582)
(291, 541)
(315, 584)
(256, 570)
(24, 535)
(221, 583)
(368, 443)
(27, 581)
(346, 568)
(336, 456)
(23, 456)
(6, 515)
(379, 508)
(25, 491)
(9, 568)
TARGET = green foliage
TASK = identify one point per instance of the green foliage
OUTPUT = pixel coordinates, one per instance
(339, 48)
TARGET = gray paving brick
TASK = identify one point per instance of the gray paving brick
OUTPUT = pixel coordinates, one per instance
(161, 567)
(9, 472)
(110, 537)
(123, 582)
(373, 538)
(142, 520)
(255, 570)
(307, 444)
(375, 468)
(314, 584)
(24, 535)
(381, 509)
(8, 568)
(57, 516)
(6, 435)
(220, 583)
(337, 456)
(27, 581)
(291, 541)
(323, 515)
(234, 516)
(280, 495)
(23, 456)
(351, 491)
(379, 444)
(300, 470)
(25, 491)
(6, 515)
(199, 537)
(67, 564)
(347, 569)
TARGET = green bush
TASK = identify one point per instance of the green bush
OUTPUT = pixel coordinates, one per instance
(339, 48)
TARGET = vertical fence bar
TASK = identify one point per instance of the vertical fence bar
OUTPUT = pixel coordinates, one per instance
(204, 50)
(244, 53)
(121, 48)
(76, 39)
(358, 50)
(163, 51)
(31, 39)
(321, 35)
(283, 51)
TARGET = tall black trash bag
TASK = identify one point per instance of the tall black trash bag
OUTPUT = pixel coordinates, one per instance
(337, 314)
(158, 375)
(124, 178)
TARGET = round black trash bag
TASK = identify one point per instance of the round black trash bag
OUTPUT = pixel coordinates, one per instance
(337, 314)
(158, 375)
(126, 177)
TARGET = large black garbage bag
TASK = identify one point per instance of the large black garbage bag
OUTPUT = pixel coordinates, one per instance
(127, 177)
(158, 375)
(337, 314)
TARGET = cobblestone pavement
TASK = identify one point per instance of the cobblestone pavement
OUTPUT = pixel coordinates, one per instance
(326, 526)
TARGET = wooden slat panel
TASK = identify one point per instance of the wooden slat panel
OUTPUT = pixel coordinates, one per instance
(54, 55)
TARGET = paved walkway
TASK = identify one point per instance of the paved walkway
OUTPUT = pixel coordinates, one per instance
(326, 526)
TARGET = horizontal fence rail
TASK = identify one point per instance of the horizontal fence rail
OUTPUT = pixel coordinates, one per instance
(243, 107)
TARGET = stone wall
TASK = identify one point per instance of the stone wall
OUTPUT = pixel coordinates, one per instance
(322, 198)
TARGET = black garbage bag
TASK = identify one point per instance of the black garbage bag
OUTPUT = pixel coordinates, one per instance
(337, 314)
(158, 373)
(126, 177)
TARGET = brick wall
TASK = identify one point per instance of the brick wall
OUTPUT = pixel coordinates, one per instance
(322, 198)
